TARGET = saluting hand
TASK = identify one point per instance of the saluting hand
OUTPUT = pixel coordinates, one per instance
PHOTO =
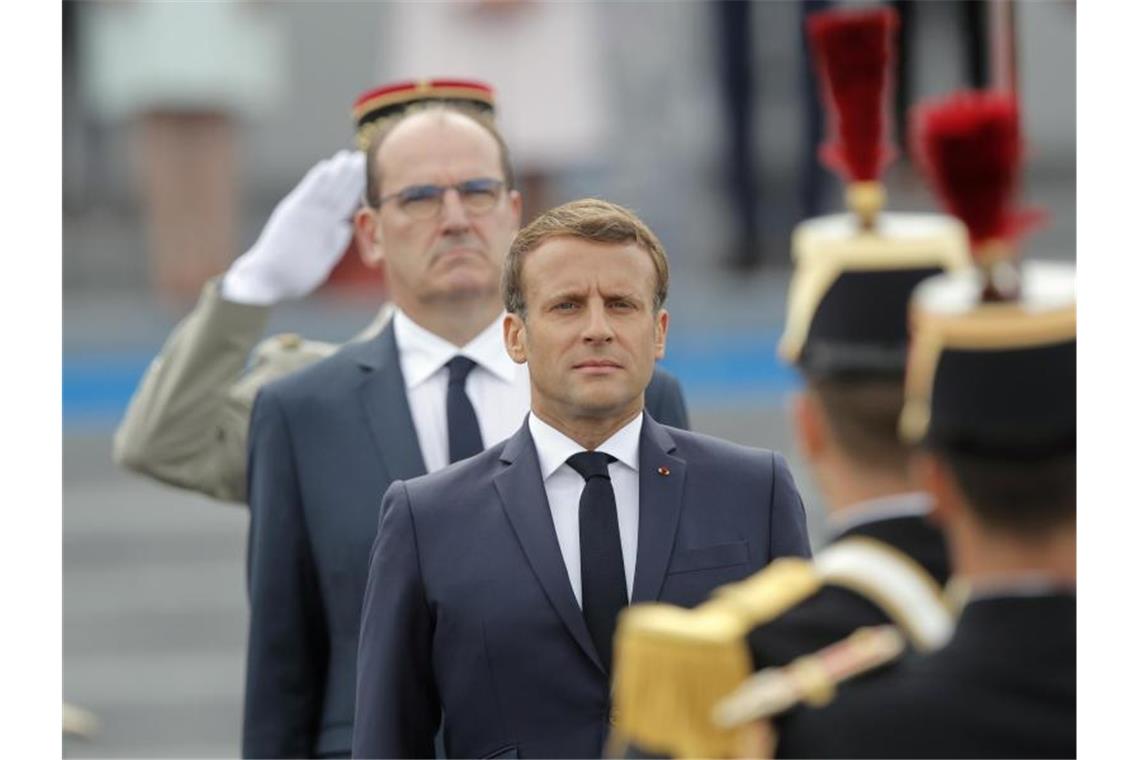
(304, 237)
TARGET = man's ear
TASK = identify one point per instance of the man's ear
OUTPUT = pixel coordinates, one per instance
(809, 425)
(931, 474)
(660, 330)
(514, 337)
(369, 240)
(514, 198)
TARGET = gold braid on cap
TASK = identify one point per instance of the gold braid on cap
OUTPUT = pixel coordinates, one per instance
(987, 326)
(826, 247)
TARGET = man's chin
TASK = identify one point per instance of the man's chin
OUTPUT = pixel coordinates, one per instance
(467, 289)
(605, 403)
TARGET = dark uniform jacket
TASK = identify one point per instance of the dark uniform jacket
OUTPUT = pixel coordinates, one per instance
(834, 612)
(1005, 686)
(325, 443)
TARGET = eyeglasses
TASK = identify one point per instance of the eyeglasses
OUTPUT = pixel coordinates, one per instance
(421, 202)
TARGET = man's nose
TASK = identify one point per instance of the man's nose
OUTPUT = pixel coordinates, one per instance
(598, 327)
(453, 212)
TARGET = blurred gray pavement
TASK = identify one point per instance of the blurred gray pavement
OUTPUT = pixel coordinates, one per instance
(154, 612)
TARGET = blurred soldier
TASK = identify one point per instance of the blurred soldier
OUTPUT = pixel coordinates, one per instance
(435, 386)
(990, 394)
(846, 332)
(187, 423)
(991, 397)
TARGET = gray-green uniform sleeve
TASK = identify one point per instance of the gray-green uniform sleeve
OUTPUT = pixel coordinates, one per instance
(188, 421)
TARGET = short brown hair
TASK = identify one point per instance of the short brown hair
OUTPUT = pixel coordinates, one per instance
(863, 414)
(1025, 498)
(587, 219)
(383, 127)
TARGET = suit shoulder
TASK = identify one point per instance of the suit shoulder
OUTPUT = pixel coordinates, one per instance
(442, 486)
(700, 445)
(319, 368)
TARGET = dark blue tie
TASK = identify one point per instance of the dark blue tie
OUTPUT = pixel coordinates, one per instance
(599, 545)
(463, 438)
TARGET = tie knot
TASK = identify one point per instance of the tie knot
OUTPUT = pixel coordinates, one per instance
(458, 369)
(591, 464)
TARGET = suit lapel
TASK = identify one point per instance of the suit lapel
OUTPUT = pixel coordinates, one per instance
(524, 500)
(662, 485)
(385, 402)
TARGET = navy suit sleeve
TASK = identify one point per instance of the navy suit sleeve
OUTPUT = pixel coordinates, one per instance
(665, 402)
(287, 655)
(397, 706)
(787, 526)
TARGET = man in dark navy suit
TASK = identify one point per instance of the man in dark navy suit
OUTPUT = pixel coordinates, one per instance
(495, 584)
(435, 386)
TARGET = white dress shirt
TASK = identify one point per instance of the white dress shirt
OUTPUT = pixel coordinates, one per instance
(498, 388)
(564, 488)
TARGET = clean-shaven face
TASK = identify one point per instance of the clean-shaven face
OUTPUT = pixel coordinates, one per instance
(455, 255)
(590, 336)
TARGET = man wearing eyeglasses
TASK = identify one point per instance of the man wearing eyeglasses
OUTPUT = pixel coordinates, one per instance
(434, 387)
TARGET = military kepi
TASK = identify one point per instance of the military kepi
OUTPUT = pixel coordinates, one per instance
(992, 370)
(854, 272)
(392, 99)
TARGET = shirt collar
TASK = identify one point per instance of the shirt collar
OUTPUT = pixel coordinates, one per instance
(555, 447)
(423, 353)
(1013, 585)
(908, 504)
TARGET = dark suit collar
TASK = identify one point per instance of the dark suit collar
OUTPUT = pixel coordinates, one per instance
(376, 352)
(384, 398)
(519, 444)
(661, 476)
(523, 495)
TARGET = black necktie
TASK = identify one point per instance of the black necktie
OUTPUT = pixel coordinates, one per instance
(463, 438)
(603, 572)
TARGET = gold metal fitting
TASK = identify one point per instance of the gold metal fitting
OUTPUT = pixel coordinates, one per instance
(866, 200)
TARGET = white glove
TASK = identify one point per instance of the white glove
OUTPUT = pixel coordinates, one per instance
(304, 237)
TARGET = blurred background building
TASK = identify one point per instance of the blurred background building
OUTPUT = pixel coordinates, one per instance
(154, 601)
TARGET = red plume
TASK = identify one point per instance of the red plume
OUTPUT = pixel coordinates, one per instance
(969, 145)
(854, 56)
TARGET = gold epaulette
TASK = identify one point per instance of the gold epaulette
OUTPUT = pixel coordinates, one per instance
(673, 665)
(811, 679)
(769, 593)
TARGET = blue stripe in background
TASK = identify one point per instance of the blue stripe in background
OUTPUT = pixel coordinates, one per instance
(718, 367)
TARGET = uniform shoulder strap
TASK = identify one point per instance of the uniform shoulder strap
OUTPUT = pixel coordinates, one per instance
(895, 583)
